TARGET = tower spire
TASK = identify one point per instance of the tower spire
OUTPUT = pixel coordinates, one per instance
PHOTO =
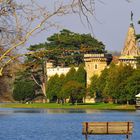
(131, 21)
(131, 16)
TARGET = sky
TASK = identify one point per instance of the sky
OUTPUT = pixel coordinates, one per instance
(110, 23)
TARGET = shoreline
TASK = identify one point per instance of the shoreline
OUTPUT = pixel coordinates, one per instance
(95, 106)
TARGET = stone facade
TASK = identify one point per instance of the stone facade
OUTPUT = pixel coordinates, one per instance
(95, 64)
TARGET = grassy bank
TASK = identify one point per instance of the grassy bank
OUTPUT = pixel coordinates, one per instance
(99, 106)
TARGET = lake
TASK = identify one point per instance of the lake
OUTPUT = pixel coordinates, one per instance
(59, 124)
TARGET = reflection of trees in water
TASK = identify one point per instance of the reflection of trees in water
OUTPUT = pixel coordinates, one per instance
(49, 111)
(55, 111)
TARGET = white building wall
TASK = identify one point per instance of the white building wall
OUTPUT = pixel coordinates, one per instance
(58, 70)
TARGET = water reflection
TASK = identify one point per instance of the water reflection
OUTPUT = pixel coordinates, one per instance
(13, 111)
(48, 111)
(70, 111)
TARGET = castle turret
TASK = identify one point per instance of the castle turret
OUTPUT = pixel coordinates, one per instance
(130, 51)
(94, 65)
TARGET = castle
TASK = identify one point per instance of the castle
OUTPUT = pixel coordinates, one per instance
(96, 63)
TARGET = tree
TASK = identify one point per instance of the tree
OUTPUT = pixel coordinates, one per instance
(132, 86)
(124, 72)
(102, 81)
(73, 90)
(54, 86)
(61, 83)
(35, 64)
(23, 91)
(70, 43)
(117, 75)
(24, 88)
(67, 48)
(81, 75)
(71, 75)
(93, 89)
(112, 83)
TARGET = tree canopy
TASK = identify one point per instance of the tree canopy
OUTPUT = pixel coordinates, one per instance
(74, 90)
(67, 48)
(23, 88)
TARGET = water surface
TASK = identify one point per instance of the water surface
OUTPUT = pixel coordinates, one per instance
(59, 124)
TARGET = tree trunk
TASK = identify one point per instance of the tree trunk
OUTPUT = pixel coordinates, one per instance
(44, 89)
(44, 79)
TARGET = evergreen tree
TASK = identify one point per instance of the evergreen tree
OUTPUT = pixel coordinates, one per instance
(80, 75)
(53, 87)
(102, 80)
(24, 91)
(110, 90)
(29, 89)
(67, 48)
(71, 75)
(93, 89)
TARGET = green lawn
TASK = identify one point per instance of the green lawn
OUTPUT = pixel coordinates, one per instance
(100, 106)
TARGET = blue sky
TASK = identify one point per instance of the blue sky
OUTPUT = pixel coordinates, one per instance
(110, 23)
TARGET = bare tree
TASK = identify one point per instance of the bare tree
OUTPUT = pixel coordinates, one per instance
(21, 19)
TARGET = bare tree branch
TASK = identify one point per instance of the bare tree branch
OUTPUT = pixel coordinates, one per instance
(18, 19)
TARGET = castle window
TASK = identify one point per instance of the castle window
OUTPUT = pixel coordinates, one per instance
(95, 66)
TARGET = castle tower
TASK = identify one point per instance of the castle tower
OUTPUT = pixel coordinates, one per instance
(95, 64)
(130, 51)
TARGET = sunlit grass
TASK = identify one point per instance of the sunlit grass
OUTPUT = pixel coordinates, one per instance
(100, 106)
